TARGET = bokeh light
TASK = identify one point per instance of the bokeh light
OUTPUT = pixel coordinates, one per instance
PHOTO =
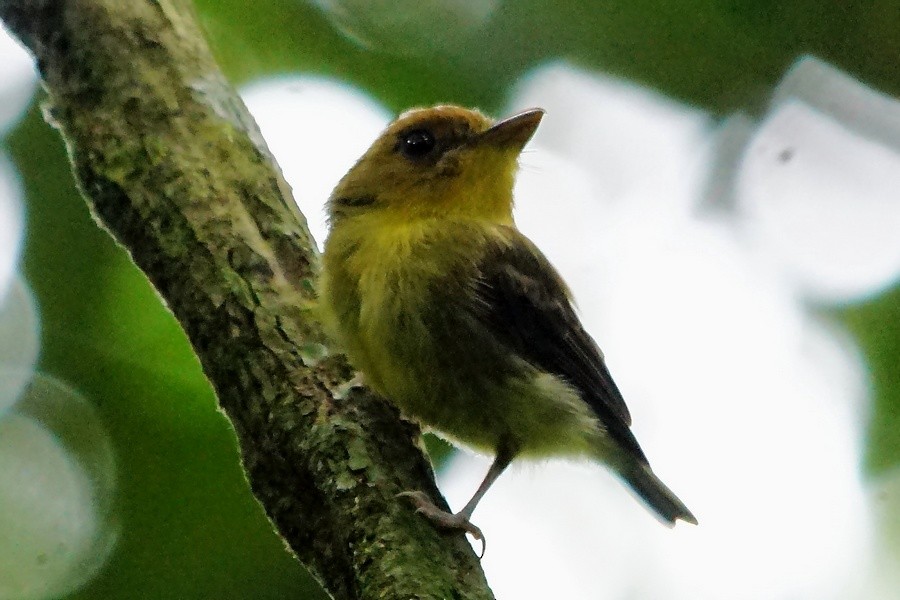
(631, 140)
(57, 493)
(820, 184)
(18, 80)
(316, 128)
(19, 342)
(12, 223)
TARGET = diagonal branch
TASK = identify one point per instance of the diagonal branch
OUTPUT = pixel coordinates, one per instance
(173, 166)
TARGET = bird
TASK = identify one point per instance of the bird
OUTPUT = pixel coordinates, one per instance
(447, 310)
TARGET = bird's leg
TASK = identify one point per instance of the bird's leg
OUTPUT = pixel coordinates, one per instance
(460, 520)
(501, 461)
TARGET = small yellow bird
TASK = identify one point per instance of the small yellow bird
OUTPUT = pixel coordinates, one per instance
(455, 316)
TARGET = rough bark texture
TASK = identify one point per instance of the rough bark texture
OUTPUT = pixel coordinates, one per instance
(173, 166)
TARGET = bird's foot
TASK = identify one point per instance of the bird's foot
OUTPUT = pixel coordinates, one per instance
(443, 519)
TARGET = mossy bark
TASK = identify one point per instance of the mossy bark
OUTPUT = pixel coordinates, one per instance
(173, 166)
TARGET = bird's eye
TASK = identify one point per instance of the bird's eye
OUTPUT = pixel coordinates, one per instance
(417, 144)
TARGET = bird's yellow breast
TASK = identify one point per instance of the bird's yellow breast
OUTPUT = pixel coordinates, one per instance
(399, 297)
(375, 284)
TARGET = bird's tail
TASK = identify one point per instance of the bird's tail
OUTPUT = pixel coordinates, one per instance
(655, 494)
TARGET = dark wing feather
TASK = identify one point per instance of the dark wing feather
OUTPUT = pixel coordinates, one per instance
(525, 305)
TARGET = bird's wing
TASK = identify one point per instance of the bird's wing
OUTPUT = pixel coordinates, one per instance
(526, 306)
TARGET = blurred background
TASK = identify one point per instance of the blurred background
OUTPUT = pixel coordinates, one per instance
(718, 180)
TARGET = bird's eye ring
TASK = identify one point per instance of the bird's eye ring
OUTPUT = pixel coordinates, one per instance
(417, 144)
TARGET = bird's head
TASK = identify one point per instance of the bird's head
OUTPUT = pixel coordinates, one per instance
(440, 161)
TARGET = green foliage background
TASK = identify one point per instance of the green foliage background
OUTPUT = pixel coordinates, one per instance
(190, 528)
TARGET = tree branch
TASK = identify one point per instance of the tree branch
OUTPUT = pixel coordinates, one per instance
(172, 164)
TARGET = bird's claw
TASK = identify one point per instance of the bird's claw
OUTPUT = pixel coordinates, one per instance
(443, 519)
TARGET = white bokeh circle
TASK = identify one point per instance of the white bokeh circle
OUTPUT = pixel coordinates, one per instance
(19, 342)
(316, 128)
(823, 202)
(12, 222)
(57, 491)
(632, 141)
(18, 80)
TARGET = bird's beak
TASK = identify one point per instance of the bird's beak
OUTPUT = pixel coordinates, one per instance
(513, 132)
